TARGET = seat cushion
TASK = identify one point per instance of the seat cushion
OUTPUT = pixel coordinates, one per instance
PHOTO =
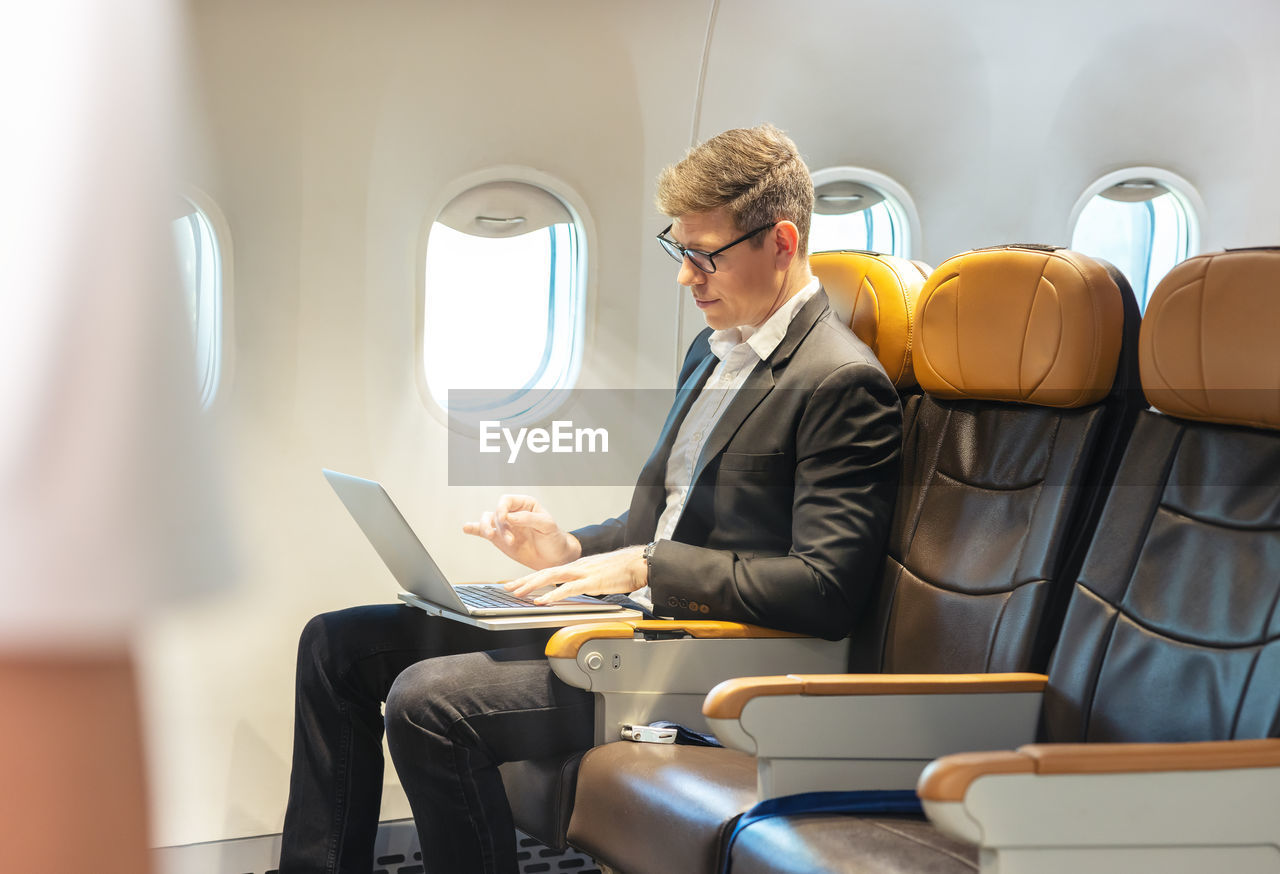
(660, 808)
(1217, 305)
(1030, 324)
(875, 295)
(541, 796)
(836, 843)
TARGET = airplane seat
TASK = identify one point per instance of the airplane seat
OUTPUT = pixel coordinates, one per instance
(875, 296)
(1182, 577)
(1027, 358)
(1159, 731)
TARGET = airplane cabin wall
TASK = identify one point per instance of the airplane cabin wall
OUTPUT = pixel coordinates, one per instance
(326, 132)
(996, 115)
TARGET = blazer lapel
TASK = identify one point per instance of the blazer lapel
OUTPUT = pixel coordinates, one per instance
(651, 490)
(760, 382)
(810, 314)
(685, 397)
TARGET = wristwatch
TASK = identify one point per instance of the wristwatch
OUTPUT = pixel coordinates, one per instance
(648, 555)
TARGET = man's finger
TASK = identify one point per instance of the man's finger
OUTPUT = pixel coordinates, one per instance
(538, 580)
(523, 517)
(515, 586)
(526, 584)
(562, 591)
(509, 503)
(483, 528)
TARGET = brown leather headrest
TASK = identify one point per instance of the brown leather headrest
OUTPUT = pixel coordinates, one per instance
(1207, 348)
(1032, 324)
(875, 295)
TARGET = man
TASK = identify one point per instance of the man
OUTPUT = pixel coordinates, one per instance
(766, 500)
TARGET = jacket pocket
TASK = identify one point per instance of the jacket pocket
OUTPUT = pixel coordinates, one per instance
(770, 461)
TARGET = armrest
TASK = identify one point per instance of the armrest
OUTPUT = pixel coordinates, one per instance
(727, 700)
(867, 731)
(566, 642)
(659, 655)
(1178, 806)
(642, 670)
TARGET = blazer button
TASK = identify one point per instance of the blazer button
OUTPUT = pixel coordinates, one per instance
(673, 601)
(684, 603)
(703, 608)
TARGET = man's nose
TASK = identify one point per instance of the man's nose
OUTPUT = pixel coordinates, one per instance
(690, 275)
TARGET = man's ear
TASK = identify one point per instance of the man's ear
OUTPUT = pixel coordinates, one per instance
(786, 239)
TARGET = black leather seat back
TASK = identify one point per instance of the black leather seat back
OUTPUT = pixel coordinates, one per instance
(1004, 458)
(1173, 628)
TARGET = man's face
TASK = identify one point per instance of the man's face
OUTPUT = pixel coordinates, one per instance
(747, 285)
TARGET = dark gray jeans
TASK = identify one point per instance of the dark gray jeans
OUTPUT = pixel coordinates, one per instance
(460, 701)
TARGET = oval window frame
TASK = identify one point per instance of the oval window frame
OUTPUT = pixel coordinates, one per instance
(215, 313)
(1181, 188)
(539, 409)
(896, 197)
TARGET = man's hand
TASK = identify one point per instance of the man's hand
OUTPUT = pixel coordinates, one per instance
(621, 571)
(525, 531)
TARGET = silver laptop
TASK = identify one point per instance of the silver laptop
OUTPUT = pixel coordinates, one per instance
(381, 521)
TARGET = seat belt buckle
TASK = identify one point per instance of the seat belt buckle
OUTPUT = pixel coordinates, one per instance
(648, 734)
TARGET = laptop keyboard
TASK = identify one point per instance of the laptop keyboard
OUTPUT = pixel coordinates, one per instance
(495, 596)
(491, 596)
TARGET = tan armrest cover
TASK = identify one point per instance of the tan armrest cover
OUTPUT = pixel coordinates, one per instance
(817, 732)
(727, 700)
(1113, 808)
(566, 642)
(948, 778)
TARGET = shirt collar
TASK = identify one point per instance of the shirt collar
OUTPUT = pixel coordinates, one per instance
(764, 338)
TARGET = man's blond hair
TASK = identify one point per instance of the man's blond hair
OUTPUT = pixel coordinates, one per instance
(755, 174)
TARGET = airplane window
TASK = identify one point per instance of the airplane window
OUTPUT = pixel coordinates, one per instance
(504, 266)
(200, 266)
(851, 212)
(1142, 225)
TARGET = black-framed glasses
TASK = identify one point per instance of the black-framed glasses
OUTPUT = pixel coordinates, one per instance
(704, 261)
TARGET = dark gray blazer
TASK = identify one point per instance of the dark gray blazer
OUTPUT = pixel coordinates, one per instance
(793, 492)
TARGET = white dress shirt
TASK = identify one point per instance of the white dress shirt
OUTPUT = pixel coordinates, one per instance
(739, 349)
